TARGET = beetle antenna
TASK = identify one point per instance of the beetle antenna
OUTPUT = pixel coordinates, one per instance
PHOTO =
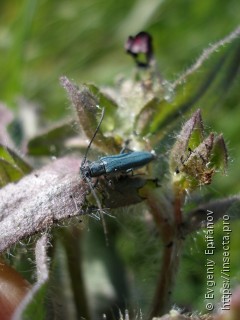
(93, 137)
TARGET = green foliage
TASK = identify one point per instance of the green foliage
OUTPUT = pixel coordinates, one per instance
(12, 166)
(52, 142)
(42, 40)
(37, 306)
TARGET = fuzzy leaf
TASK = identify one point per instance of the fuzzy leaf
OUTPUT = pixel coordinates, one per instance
(196, 165)
(145, 116)
(219, 157)
(104, 100)
(188, 139)
(87, 107)
(40, 199)
(201, 154)
(193, 161)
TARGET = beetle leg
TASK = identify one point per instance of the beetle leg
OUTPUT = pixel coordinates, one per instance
(125, 148)
(95, 183)
(129, 170)
(100, 209)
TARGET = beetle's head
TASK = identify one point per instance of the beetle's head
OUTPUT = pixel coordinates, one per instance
(85, 171)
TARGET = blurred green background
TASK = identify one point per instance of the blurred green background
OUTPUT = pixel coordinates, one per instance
(42, 40)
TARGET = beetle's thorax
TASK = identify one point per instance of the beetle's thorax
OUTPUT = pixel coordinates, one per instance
(96, 168)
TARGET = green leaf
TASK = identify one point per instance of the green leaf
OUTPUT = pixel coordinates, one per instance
(4, 154)
(145, 116)
(13, 158)
(188, 139)
(87, 107)
(106, 102)
(52, 142)
(219, 156)
(12, 166)
(8, 173)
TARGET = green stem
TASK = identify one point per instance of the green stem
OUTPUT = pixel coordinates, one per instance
(168, 218)
(74, 259)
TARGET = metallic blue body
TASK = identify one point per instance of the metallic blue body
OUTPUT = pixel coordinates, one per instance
(123, 162)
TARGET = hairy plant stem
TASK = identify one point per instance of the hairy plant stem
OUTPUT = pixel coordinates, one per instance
(206, 54)
(168, 217)
(74, 258)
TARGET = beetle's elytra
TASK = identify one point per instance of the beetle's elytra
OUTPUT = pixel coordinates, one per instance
(123, 162)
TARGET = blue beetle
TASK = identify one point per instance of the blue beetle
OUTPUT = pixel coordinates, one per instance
(120, 163)
(110, 165)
